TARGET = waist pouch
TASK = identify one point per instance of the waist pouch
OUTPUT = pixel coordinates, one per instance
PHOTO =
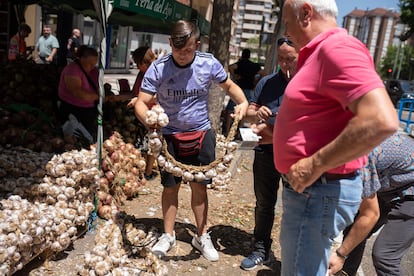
(188, 143)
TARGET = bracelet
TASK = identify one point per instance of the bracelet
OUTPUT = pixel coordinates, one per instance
(340, 255)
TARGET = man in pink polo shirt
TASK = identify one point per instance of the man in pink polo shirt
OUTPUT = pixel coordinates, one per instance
(334, 112)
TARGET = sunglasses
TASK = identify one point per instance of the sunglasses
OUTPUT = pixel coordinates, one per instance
(180, 41)
(282, 40)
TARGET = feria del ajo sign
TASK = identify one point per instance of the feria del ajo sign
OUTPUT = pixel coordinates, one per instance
(169, 10)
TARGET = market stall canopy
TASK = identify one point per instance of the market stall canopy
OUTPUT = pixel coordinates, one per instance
(144, 15)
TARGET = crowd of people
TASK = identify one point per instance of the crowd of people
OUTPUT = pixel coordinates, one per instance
(319, 117)
(328, 134)
(309, 123)
(46, 48)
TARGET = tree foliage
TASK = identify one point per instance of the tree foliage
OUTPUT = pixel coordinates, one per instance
(407, 17)
(253, 45)
(395, 56)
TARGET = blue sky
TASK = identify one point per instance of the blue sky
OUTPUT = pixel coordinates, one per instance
(346, 6)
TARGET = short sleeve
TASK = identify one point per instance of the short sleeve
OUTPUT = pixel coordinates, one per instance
(55, 43)
(259, 87)
(348, 67)
(218, 72)
(150, 81)
(370, 178)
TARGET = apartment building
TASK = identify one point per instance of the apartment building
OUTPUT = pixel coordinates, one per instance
(253, 19)
(377, 29)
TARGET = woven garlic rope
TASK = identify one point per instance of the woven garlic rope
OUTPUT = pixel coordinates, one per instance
(158, 147)
(204, 168)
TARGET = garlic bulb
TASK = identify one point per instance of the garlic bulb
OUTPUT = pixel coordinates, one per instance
(168, 167)
(163, 120)
(161, 161)
(211, 173)
(176, 171)
(199, 177)
(232, 146)
(188, 177)
(158, 109)
(151, 117)
(221, 167)
(227, 158)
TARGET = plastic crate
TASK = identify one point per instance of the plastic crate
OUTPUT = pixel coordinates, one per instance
(406, 114)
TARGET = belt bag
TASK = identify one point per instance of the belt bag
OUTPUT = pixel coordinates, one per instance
(188, 143)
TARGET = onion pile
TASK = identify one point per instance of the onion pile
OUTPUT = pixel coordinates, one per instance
(32, 84)
(122, 174)
(31, 129)
(119, 118)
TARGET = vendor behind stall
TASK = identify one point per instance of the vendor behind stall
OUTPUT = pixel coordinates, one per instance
(78, 89)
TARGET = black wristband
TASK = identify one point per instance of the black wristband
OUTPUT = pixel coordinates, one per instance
(340, 255)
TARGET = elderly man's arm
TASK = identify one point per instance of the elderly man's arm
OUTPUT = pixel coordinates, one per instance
(368, 216)
(375, 119)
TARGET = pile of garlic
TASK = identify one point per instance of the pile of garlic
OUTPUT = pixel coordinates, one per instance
(217, 170)
(115, 249)
(20, 167)
(45, 215)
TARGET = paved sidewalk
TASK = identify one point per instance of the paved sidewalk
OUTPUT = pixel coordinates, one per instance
(112, 79)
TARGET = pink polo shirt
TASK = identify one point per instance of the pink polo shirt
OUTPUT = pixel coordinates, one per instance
(333, 70)
(73, 70)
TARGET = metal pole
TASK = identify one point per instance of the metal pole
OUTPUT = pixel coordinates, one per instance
(260, 40)
(401, 59)
(394, 67)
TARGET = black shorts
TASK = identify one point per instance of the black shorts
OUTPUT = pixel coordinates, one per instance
(206, 156)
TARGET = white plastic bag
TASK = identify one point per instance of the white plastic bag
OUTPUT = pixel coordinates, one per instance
(73, 127)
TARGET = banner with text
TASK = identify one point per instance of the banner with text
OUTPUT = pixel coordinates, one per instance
(169, 10)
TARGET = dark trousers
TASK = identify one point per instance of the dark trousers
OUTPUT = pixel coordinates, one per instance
(266, 185)
(392, 242)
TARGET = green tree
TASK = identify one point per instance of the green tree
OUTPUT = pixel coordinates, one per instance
(407, 17)
(253, 45)
(390, 64)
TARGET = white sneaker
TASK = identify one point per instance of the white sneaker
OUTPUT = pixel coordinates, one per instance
(164, 244)
(205, 246)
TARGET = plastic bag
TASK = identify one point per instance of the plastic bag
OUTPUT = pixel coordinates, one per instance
(73, 127)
